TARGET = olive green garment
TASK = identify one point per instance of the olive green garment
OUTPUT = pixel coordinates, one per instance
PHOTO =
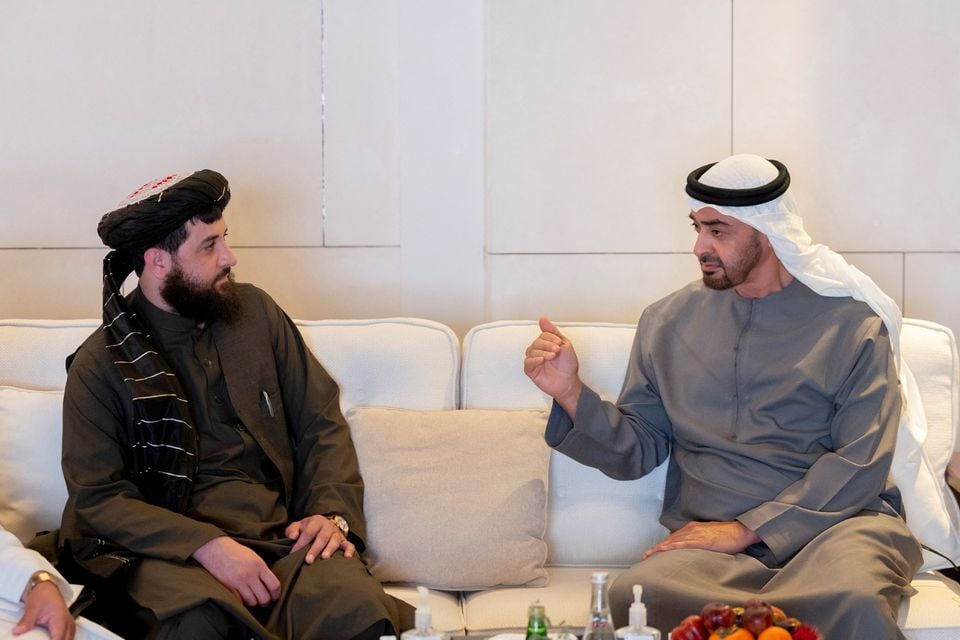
(273, 448)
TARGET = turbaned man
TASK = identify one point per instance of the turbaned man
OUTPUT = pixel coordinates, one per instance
(208, 466)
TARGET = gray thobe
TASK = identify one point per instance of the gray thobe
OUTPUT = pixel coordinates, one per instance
(778, 412)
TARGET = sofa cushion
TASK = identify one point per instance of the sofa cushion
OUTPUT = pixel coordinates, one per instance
(566, 600)
(33, 352)
(454, 500)
(931, 613)
(445, 607)
(32, 491)
(390, 362)
(932, 513)
(493, 378)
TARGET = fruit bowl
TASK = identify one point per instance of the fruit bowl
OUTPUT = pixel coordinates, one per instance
(755, 620)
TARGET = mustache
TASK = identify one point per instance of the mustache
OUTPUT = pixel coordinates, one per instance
(705, 260)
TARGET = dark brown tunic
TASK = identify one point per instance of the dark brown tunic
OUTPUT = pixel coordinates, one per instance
(273, 448)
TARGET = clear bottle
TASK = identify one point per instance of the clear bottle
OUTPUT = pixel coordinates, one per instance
(537, 622)
(638, 628)
(423, 625)
(600, 623)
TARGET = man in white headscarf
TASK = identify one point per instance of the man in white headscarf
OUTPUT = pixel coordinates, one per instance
(772, 387)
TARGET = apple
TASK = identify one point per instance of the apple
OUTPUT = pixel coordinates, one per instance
(690, 628)
(717, 615)
(756, 616)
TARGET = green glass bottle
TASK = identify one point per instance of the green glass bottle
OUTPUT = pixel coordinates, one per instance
(537, 623)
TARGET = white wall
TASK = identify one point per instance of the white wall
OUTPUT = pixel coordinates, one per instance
(468, 161)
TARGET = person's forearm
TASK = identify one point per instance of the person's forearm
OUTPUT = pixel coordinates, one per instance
(19, 565)
(569, 400)
(143, 528)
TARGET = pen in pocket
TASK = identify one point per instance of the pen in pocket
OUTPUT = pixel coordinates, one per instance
(266, 399)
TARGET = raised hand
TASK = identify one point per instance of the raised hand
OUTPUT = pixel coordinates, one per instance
(551, 362)
(240, 570)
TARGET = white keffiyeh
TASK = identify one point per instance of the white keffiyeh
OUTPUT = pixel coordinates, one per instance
(932, 513)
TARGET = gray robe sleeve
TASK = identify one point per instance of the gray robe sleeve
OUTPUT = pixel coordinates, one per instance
(625, 441)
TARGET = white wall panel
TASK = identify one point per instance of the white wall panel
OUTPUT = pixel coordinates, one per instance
(933, 290)
(442, 161)
(360, 88)
(596, 112)
(886, 269)
(603, 288)
(105, 95)
(59, 285)
(861, 100)
(553, 134)
(326, 283)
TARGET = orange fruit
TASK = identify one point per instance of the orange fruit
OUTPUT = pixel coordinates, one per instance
(774, 633)
(734, 633)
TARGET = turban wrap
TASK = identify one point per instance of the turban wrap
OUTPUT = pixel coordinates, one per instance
(162, 456)
(158, 208)
(755, 191)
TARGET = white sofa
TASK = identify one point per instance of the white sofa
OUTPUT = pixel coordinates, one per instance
(572, 517)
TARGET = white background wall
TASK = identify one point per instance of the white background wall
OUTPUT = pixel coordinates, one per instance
(476, 160)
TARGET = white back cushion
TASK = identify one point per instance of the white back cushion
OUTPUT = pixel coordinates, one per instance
(32, 375)
(32, 490)
(930, 351)
(33, 352)
(589, 513)
(391, 362)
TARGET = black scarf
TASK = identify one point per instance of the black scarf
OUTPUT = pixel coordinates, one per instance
(162, 438)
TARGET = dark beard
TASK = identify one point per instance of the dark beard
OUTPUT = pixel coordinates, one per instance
(737, 272)
(202, 303)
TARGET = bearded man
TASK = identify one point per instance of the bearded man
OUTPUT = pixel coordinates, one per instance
(210, 472)
(772, 386)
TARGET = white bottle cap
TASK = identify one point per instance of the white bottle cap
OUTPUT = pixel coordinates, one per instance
(638, 610)
(423, 619)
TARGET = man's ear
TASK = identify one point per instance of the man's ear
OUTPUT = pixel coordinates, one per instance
(157, 262)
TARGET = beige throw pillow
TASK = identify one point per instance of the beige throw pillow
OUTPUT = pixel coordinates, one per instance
(454, 500)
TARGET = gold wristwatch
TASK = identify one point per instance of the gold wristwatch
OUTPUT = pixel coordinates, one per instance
(341, 523)
(35, 579)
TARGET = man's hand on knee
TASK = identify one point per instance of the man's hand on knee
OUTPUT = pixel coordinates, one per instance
(240, 570)
(725, 537)
(323, 537)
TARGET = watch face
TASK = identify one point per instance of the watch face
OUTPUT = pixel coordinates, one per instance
(341, 523)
